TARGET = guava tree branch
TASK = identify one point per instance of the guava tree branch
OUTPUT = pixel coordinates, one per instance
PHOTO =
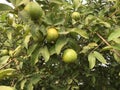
(115, 51)
(103, 39)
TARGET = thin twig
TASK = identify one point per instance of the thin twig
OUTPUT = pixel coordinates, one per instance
(96, 47)
(6, 64)
(115, 51)
(103, 39)
(114, 13)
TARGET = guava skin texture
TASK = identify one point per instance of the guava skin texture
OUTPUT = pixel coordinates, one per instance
(52, 34)
(34, 10)
(69, 56)
(75, 15)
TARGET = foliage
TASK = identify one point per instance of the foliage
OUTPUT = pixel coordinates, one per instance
(29, 62)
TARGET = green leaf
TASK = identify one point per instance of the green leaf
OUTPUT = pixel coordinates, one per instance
(92, 60)
(116, 57)
(115, 34)
(4, 52)
(59, 44)
(117, 40)
(9, 34)
(17, 51)
(85, 49)
(69, 81)
(24, 16)
(29, 86)
(80, 32)
(106, 48)
(35, 55)
(59, 21)
(76, 3)
(4, 7)
(20, 2)
(31, 49)
(48, 20)
(112, 0)
(89, 19)
(106, 24)
(52, 50)
(75, 87)
(22, 84)
(88, 47)
(6, 88)
(93, 79)
(92, 45)
(99, 57)
(117, 47)
(56, 1)
(12, 1)
(6, 72)
(16, 2)
(73, 44)
(4, 59)
(36, 33)
(26, 40)
(45, 53)
(33, 81)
